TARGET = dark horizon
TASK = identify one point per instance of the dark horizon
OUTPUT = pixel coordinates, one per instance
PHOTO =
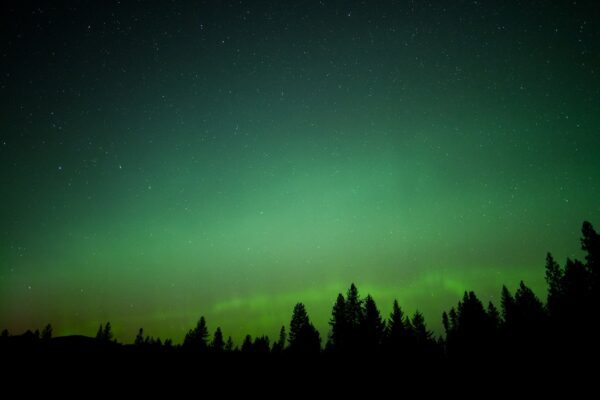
(521, 326)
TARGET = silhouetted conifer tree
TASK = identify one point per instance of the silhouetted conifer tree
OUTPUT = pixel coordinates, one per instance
(339, 325)
(590, 243)
(471, 331)
(396, 335)
(47, 333)
(303, 337)
(105, 334)
(229, 347)
(372, 327)
(279, 345)
(446, 323)
(507, 302)
(218, 345)
(493, 317)
(422, 337)
(354, 315)
(197, 339)
(530, 319)
(554, 277)
(247, 344)
(139, 338)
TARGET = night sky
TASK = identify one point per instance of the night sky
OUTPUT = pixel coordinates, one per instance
(165, 160)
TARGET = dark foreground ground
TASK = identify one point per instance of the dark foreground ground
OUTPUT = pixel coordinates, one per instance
(75, 363)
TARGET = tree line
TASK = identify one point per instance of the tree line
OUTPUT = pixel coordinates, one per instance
(562, 326)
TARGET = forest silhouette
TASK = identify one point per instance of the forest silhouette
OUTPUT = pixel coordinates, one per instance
(522, 327)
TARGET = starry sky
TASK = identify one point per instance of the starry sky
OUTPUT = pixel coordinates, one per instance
(165, 160)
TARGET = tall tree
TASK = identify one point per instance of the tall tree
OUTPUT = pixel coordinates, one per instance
(339, 325)
(554, 279)
(354, 310)
(218, 345)
(507, 302)
(590, 243)
(229, 347)
(354, 316)
(448, 328)
(197, 339)
(105, 334)
(247, 345)
(47, 332)
(530, 314)
(303, 336)
(493, 316)
(279, 345)
(422, 335)
(372, 326)
(139, 338)
(396, 329)
(471, 331)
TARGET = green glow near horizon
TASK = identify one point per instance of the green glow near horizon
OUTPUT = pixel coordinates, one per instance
(236, 169)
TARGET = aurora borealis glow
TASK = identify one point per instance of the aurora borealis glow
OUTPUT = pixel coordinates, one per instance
(165, 161)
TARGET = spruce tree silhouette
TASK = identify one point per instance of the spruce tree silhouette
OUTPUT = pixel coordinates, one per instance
(339, 326)
(47, 333)
(372, 327)
(139, 338)
(229, 347)
(470, 329)
(303, 337)
(104, 334)
(494, 344)
(196, 340)
(396, 333)
(493, 317)
(529, 311)
(507, 302)
(217, 345)
(590, 243)
(279, 345)
(524, 322)
(247, 345)
(574, 295)
(354, 316)
(424, 345)
(554, 277)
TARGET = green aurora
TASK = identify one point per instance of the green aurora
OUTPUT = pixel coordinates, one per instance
(162, 162)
